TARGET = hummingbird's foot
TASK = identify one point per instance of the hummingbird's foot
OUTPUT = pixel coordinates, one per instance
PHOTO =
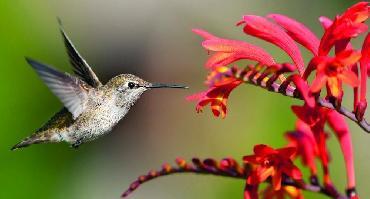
(77, 144)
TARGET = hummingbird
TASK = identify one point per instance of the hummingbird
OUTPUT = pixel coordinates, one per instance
(91, 109)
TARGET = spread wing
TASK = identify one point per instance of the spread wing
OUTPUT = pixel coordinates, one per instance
(80, 66)
(70, 90)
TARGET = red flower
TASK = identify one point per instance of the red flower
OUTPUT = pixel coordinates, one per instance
(302, 138)
(334, 71)
(316, 118)
(272, 163)
(216, 95)
(359, 107)
(346, 26)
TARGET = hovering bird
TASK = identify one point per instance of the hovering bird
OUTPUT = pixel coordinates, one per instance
(91, 109)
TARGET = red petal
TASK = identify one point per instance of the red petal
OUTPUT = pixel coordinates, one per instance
(219, 59)
(287, 152)
(264, 173)
(223, 45)
(201, 104)
(262, 150)
(276, 180)
(365, 67)
(304, 128)
(349, 77)
(299, 32)
(341, 130)
(250, 159)
(204, 34)
(334, 87)
(318, 82)
(300, 112)
(239, 50)
(292, 171)
(348, 57)
(325, 22)
(260, 27)
(223, 88)
(196, 96)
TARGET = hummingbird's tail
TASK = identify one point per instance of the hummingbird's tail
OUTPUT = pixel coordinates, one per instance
(36, 138)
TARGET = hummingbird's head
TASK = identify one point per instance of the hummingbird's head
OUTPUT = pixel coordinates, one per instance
(129, 87)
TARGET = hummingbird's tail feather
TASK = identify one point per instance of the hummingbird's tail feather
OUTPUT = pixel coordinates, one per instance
(36, 138)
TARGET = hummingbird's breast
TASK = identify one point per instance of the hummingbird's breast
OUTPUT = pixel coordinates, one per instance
(97, 120)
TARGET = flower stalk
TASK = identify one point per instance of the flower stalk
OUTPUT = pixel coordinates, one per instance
(227, 167)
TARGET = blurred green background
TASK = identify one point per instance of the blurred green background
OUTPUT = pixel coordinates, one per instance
(152, 39)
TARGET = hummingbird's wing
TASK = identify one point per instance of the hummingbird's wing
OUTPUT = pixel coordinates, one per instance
(72, 91)
(80, 66)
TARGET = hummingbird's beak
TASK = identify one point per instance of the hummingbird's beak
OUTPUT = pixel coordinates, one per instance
(160, 85)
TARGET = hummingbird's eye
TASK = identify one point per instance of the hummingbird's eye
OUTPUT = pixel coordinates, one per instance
(131, 85)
